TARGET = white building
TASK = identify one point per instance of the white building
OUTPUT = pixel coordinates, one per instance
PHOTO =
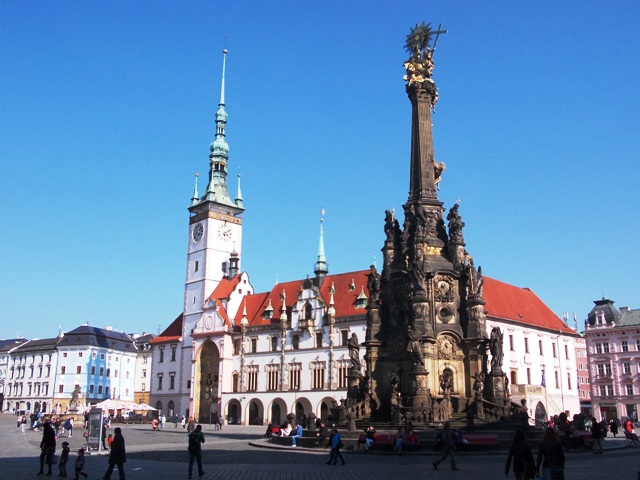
(255, 357)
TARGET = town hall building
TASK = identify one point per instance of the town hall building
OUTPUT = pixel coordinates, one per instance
(300, 348)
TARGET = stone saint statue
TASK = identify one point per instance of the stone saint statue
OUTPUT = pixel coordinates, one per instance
(373, 284)
(495, 346)
(73, 403)
(478, 384)
(455, 224)
(354, 351)
(413, 347)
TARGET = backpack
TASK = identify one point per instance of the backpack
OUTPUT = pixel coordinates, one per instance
(194, 442)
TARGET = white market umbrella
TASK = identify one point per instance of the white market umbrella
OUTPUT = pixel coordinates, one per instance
(143, 407)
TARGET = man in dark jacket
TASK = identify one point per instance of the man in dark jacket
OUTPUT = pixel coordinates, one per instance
(196, 439)
(596, 435)
(117, 456)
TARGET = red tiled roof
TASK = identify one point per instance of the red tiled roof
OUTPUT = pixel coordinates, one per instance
(521, 305)
(344, 297)
(225, 287)
(172, 333)
(254, 303)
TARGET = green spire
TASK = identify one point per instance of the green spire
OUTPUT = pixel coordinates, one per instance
(219, 157)
(239, 201)
(194, 197)
(321, 268)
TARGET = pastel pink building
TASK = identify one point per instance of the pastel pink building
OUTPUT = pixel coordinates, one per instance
(613, 348)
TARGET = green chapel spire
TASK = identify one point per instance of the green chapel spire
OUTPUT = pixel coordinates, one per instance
(321, 268)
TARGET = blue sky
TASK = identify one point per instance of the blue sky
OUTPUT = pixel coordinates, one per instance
(107, 111)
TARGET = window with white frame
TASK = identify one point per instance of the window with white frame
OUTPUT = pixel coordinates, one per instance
(626, 367)
(610, 390)
(274, 343)
(625, 345)
(273, 377)
(629, 388)
(343, 371)
(603, 391)
(318, 370)
(294, 375)
(252, 378)
(605, 347)
(598, 347)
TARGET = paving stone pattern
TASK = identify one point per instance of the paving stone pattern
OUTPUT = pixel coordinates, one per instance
(237, 453)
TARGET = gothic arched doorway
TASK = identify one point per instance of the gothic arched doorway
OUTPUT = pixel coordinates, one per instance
(276, 413)
(208, 368)
(540, 415)
(255, 413)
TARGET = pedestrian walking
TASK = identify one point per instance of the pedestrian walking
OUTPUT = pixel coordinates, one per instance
(64, 458)
(47, 447)
(550, 462)
(524, 467)
(191, 425)
(79, 465)
(117, 456)
(335, 442)
(196, 439)
(447, 446)
(596, 435)
(613, 426)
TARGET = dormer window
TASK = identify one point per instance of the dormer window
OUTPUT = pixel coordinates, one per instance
(268, 312)
(362, 300)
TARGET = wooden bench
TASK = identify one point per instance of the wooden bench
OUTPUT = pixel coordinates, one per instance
(379, 440)
(480, 440)
(632, 439)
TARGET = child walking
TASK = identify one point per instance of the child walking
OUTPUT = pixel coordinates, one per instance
(64, 458)
(80, 464)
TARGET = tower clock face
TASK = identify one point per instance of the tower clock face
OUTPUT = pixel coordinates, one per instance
(224, 232)
(198, 231)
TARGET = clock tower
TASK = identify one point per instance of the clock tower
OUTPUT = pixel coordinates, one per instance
(215, 226)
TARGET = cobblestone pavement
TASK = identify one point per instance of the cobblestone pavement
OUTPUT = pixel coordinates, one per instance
(234, 454)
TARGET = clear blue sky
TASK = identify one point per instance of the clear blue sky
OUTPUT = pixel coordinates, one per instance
(107, 111)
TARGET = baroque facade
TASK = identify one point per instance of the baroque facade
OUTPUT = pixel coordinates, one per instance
(613, 348)
(430, 326)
